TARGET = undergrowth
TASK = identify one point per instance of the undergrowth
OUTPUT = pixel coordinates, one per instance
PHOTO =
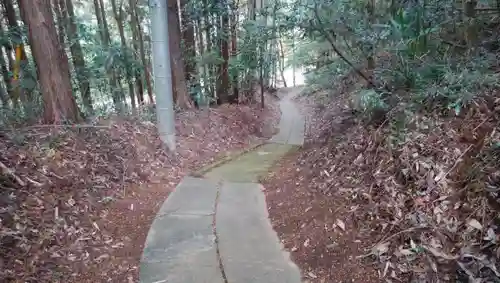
(426, 92)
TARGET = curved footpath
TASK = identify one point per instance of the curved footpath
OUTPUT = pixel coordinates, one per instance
(216, 229)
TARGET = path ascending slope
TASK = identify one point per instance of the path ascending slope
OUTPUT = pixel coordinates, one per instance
(216, 229)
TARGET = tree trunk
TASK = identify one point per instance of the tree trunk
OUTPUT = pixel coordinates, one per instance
(144, 59)
(51, 61)
(16, 37)
(252, 4)
(282, 62)
(5, 94)
(234, 50)
(60, 21)
(5, 69)
(177, 64)
(370, 9)
(105, 28)
(189, 44)
(4, 98)
(223, 89)
(6, 79)
(208, 38)
(201, 48)
(137, 73)
(117, 94)
(264, 73)
(97, 11)
(77, 56)
(274, 46)
(293, 57)
(118, 13)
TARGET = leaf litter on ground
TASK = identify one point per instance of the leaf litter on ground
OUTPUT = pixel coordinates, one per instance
(422, 209)
(76, 203)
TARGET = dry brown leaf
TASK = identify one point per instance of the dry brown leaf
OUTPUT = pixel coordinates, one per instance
(474, 224)
(340, 224)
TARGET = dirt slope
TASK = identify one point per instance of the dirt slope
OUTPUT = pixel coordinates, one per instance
(363, 203)
(76, 204)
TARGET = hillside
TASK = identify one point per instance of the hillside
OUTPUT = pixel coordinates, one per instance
(370, 203)
(77, 202)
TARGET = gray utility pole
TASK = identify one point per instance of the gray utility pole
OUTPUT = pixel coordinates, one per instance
(162, 73)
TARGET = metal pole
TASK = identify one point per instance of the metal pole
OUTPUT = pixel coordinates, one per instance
(162, 73)
(293, 56)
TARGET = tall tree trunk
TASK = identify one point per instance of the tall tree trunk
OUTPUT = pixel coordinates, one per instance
(51, 61)
(4, 98)
(370, 9)
(77, 56)
(137, 73)
(234, 50)
(5, 94)
(14, 30)
(252, 4)
(262, 47)
(97, 11)
(60, 21)
(223, 89)
(145, 61)
(293, 57)
(189, 44)
(208, 38)
(105, 28)
(5, 69)
(177, 64)
(282, 63)
(273, 47)
(251, 73)
(201, 45)
(105, 40)
(118, 13)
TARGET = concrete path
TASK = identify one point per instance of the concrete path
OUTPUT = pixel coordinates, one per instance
(292, 124)
(216, 229)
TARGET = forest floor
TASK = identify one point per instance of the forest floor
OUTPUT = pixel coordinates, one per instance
(76, 204)
(369, 203)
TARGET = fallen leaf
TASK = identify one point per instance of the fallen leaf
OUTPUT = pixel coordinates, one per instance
(312, 275)
(475, 224)
(341, 224)
(381, 248)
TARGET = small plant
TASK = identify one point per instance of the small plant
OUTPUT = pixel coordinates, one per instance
(369, 102)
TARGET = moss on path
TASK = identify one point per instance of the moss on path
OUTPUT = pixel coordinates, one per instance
(251, 165)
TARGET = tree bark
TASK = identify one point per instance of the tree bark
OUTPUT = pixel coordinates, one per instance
(77, 56)
(135, 43)
(189, 44)
(293, 57)
(4, 98)
(223, 89)
(282, 62)
(51, 61)
(178, 75)
(105, 28)
(118, 13)
(117, 93)
(234, 98)
(208, 38)
(145, 61)
(5, 69)
(60, 21)
(15, 32)
(97, 11)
